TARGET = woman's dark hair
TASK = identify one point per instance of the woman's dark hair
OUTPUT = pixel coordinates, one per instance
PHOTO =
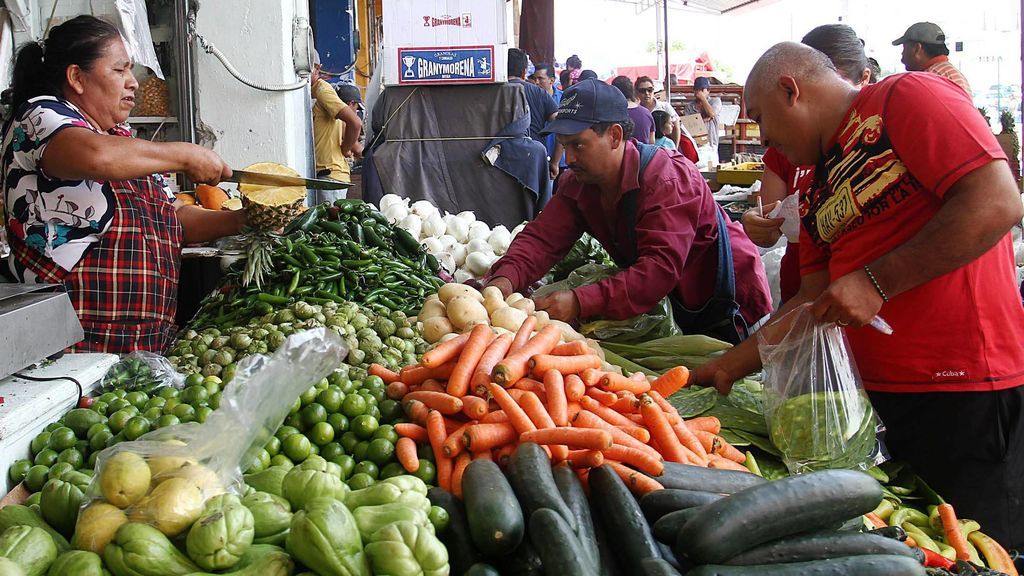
(40, 67)
(574, 62)
(564, 79)
(625, 85)
(842, 46)
(660, 119)
(641, 80)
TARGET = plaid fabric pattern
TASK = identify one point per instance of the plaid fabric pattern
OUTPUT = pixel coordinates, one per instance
(125, 287)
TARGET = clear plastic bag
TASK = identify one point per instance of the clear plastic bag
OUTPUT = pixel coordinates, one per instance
(818, 414)
(135, 27)
(657, 323)
(143, 371)
(165, 477)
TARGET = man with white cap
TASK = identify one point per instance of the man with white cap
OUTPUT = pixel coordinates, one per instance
(924, 50)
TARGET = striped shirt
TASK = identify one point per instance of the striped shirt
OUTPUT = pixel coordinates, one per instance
(940, 65)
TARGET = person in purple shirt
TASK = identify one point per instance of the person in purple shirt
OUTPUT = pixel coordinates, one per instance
(658, 221)
(643, 120)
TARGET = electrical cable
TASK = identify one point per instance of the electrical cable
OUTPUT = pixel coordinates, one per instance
(81, 391)
(211, 49)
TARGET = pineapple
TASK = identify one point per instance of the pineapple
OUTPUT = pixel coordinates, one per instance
(271, 207)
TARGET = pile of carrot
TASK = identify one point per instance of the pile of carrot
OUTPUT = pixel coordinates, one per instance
(479, 395)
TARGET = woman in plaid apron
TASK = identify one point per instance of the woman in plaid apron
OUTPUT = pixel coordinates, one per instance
(86, 206)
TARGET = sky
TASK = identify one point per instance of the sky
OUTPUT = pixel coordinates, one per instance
(610, 33)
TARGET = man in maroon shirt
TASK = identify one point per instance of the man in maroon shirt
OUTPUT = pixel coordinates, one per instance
(662, 227)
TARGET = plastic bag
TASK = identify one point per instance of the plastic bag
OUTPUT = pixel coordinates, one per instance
(143, 371)
(586, 250)
(817, 411)
(134, 22)
(657, 323)
(165, 477)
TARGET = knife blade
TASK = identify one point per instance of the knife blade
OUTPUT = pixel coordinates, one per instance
(261, 179)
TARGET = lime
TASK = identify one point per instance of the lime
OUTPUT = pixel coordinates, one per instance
(374, 382)
(36, 477)
(439, 518)
(202, 413)
(338, 377)
(314, 450)
(83, 447)
(360, 481)
(59, 469)
(321, 433)
(368, 468)
(195, 395)
(391, 470)
(296, 406)
(273, 446)
(378, 396)
(72, 456)
(356, 385)
(19, 470)
(195, 379)
(294, 421)
(167, 420)
(39, 442)
(99, 440)
(373, 411)
(353, 405)
(359, 452)
(119, 404)
(309, 395)
(348, 441)
(213, 384)
(170, 405)
(296, 447)
(346, 463)
(116, 439)
(426, 471)
(137, 399)
(169, 392)
(281, 460)
(90, 464)
(380, 451)
(100, 407)
(34, 499)
(364, 426)
(331, 398)
(155, 402)
(152, 414)
(390, 410)
(47, 457)
(425, 451)
(185, 412)
(339, 422)
(313, 414)
(118, 419)
(136, 427)
(285, 431)
(214, 401)
(228, 373)
(260, 464)
(387, 432)
(331, 450)
(62, 438)
(107, 397)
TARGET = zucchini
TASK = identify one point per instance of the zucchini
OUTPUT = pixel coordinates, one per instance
(557, 546)
(461, 552)
(480, 569)
(571, 490)
(496, 523)
(605, 544)
(874, 565)
(657, 567)
(667, 528)
(820, 546)
(621, 516)
(813, 501)
(529, 472)
(523, 561)
(894, 532)
(660, 502)
(718, 481)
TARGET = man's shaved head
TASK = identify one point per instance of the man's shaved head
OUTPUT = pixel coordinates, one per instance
(789, 59)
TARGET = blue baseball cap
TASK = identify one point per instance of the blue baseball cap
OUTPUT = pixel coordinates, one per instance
(701, 82)
(587, 103)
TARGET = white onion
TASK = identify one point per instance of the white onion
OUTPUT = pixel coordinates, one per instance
(433, 225)
(479, 229)
(480, 262)
(424, 208)
(468, 216)
(412, 224)
(459, 252)
(396, 212)
(433, 245)
(461, 276)
(479, 245)
(390, 200)
(499, 239)
(458, 228)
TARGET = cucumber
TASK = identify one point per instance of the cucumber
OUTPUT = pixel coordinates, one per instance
(523, 561)
(495, 518)
(820, 546)
(657, 567)
(687, 477)
(605, 545)
(660, 502)
(529, 472)
(813, 501)
(875, 565)
(480, 569)
(622, 518)
(557, 545)
(667, 528)
(461, 552)
(571, 490)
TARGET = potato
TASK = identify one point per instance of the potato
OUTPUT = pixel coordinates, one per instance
(526, 305)
(542, 319)
(466, 312)
(513, 298)
(431, 297)
(435, 328)
(492, 292)
(452, 290)
(448, 337)
(493, 299)
(509, 318)
(432, 309)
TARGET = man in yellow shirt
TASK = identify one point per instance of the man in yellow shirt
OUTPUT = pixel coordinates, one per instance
(336, 128)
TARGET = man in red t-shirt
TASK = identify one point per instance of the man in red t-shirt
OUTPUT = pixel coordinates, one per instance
(909, 219)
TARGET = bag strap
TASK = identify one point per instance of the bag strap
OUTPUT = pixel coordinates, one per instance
(630, 204)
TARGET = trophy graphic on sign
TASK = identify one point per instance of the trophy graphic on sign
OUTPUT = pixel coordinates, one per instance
(408, 61)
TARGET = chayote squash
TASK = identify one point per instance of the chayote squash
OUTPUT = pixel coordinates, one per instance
(369, 519)
(268, 480)
(379, 493)
(324, 537)
(78, 563)
(271, 515)
(312, 479)
(9, 568)
(406, 549)
(61, 499)
(18, 515)
(141, 550)
(30, 548)
(407, 483)
(260, 560)
(221, 535)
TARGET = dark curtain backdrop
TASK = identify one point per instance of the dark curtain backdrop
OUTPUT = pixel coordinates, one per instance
(537, 30)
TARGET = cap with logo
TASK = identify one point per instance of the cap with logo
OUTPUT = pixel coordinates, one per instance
(587, 103)
(923, 32)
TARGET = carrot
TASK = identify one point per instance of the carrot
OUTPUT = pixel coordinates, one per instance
(707, 440)
(514, 366)
(479, 338)
(405, 450)
(397, 390)
(636, 482)
(636, 458)
(661, 431)
(951, 530)
(627, 403)
(457, 471)
(415, 432)
(605, 398)
(574, 348)
(574, 388)
(455, 444)
(416, 410)
(432, 385)
(706, 423)
(444, 403)
(437, 434)
(503, 454)
(516, 393)
(474, 407)
(689, 440)
(480, 437)
(417, 374)
(671, 382)
(383, 372)
(613, 382)
(669, 410)
(451, 425)
(523, 334)
(638, 432)
(588, 438)
(494, 417)
(516, 416)
(591, 376)
(541, 363)
(554, 386)
(728, 451)
(605, 413)
(540, 417)
(531, 385)
(584, 459)
(572, 409)
(875, 520)
(587, 419)
(716, 461)
(445, 351)
(496, 350)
